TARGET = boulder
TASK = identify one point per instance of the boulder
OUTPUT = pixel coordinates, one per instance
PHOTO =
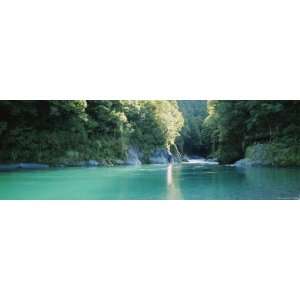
(133, 156)
(278, 154)
(33, 166)
(260, 154)
(102, 163)
(92, 163)
(245, 162)
(159, 156)
(119, 162)
(24, 166)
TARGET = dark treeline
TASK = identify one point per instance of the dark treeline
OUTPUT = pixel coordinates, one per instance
(235, 127)
(193, 139)
(58, 131)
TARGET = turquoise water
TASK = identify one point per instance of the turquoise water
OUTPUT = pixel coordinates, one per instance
(198, 180)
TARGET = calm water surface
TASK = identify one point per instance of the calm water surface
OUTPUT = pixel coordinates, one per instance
(194, 180)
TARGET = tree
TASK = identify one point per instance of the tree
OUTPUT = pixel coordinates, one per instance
(234, 125)
(192, 138)
(153, 123)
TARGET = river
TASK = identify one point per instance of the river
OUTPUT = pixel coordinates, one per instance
(198, 179)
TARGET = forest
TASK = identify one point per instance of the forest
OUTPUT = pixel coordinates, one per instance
(60, 132)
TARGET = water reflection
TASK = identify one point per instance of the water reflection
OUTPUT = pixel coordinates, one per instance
(170, 174)
(173, 189)
(177, 181)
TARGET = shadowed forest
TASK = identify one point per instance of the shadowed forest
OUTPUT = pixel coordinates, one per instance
(60, 132)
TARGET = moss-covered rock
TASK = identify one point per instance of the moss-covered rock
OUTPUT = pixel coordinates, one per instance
(274, 154)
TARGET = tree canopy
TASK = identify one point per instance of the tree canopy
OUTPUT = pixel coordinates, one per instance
(46, 131)
(51, 131)
(234, 125)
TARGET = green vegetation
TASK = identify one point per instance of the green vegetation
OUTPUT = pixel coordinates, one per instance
(154, 124)
(193, 139)
(275, 154)
(65, 131)
(62, 132)
(235, 126)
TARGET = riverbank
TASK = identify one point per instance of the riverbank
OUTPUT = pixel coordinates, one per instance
(256, 155)
(134, 157)
(271, 154)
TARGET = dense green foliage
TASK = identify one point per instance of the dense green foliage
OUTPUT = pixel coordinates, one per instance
(66, 131)
(193, 136)
(153, 123)
(236, 125)
(276, 154)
